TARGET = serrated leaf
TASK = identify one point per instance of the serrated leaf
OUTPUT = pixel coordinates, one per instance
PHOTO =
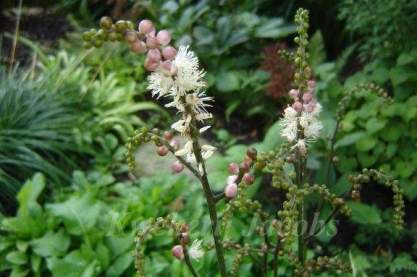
(364, 214)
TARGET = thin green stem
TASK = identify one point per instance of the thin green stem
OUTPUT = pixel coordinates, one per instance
(188, 261)
(211, 203)
(301, 213)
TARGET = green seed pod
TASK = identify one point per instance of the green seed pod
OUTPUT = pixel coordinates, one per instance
(121, 26)
(113, 36)
(87, 36)
(97, 43)
(106, 22)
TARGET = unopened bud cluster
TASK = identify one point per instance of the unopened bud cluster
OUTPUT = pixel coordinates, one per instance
(321, 264)
(240, 173)
(369, 175)
(344, 103)
(164, 144)
(143, 40)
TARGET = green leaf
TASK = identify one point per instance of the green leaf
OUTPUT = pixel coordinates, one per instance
(364, 214)
(51, 244)
(227, 81)
(374, 124)
(120, 265)
(203, 35)
(31, 190)
(79, 214)
(366, 143)
(273, 29)
(367, 160)
(273, 137)
(17, 258)
(118, 245)
(392, 133)
(349, 139)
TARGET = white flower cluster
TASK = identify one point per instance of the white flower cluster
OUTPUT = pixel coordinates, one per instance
(183, 82)
(301, 122)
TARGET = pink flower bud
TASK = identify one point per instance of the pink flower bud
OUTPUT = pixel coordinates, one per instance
(297, 106)
(131, 36)
(162, 150)
(310, 107)
(248, 178)
(245, 165)
(146, 26)
(230, 190)
(233, 168)
(307, 97)
(177, 167)
(154, 55)
(185, 238)
(164, 37)
(168, 135)
(169, 53)
(311, 84)
(152, 42)
(231, 179)
(167, 68)
(138, 47)
(178, 252)
(294, 93)
(151, 65)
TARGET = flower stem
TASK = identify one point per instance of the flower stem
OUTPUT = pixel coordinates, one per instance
(301, 213)
(211, 203)
(188, 261)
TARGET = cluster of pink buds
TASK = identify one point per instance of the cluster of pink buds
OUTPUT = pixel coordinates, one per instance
(240, 173)
(177, 250)
(156, 45)
(306, 101)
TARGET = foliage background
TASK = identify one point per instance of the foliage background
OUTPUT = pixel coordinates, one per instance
(65, 114)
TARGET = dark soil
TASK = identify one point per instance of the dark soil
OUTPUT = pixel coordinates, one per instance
(37, 25)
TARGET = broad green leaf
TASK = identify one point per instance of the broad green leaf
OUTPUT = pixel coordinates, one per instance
(367, 160)
(374, 125)
(349, 139)
(79, 213)
(364, 214)
(31, 190)
(203, 35)
(120, 265)
(273, 137)
(118, 245)
(227, 81)
(72, 265)
(51, 244)
(366, 143)
(17, 258)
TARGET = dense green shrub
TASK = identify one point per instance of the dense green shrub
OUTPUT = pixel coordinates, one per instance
(386, 28)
